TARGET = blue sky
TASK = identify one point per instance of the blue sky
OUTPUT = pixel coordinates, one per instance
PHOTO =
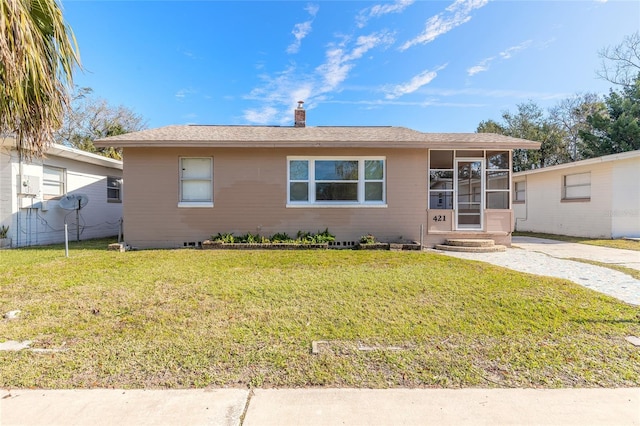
(434, 66)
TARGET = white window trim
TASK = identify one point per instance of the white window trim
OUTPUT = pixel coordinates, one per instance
(62, 182)
(583, 185)
(119, 189)
(337, 204)
(194, 204)
(517, 192)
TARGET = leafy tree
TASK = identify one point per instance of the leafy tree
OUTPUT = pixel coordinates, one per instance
(89, 118)
(491, 126)
(621, 63)
(615, 128)
(530, 123)
(38, 53)
(571, 115)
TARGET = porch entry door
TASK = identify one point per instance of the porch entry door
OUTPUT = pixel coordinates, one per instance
(468, 188)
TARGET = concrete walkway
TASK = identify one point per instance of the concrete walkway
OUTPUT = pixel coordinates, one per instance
(322, 407)
(551, 258)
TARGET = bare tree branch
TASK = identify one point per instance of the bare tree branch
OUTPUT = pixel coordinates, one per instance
(620, 64)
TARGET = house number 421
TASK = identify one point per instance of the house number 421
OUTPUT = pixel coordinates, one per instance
(439, 218)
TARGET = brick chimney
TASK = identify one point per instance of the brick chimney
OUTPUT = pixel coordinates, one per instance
(299, 116)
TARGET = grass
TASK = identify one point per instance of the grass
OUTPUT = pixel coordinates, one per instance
(618, 243)
(192, 318)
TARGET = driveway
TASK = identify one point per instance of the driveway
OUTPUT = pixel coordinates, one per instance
(564, 250)
(551, 258)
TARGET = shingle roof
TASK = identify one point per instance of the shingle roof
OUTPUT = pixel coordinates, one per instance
(333, 136)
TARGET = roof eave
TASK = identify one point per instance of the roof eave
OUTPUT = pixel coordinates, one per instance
(517, 144)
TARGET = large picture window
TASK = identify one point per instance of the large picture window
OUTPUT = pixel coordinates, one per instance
(196, 182)
(333, 181)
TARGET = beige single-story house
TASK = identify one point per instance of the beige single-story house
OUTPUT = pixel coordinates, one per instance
(32, 193)
(188, 182)
(595, 198)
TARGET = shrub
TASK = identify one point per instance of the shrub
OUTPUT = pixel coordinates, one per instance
(324, 237)
(367, 239)
(302, 237)
(227, 238)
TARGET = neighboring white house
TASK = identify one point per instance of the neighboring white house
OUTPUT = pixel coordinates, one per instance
(31, 191)
(596, 198)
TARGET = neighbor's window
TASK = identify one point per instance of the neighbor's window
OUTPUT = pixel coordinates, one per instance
(196, 182)
(114, 186)
(519, 191)
(497, 180)
(53, 181)
(576, 187)
(336, 181)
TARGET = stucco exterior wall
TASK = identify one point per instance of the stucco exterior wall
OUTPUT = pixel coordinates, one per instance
(612, 211)
(34, 220)
(625, 204)
(5, 187)
(250, 192)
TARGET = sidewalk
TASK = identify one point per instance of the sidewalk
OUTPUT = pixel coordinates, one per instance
(321, 407)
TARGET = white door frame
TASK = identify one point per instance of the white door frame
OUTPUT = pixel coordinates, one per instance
(456, 208)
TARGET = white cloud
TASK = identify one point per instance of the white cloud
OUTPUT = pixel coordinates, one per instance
(264, 115)
(340, 61)
(508, 53)
(380, 10)
(455, 15)
(312, 9)
(414, 84)
(279, 95)
(301, 30)
(183, 93)
(279, 92)
(482, 66)
(497, 93)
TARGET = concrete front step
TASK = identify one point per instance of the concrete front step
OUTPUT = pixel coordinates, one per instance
(487, 249)
(470, 242)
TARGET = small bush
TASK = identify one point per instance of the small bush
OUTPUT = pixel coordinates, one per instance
(227, 238)
(324, 237)
(367, 239)
(281, 237)
(250, 238)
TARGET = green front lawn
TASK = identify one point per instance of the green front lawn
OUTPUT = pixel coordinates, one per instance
(192, 318)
